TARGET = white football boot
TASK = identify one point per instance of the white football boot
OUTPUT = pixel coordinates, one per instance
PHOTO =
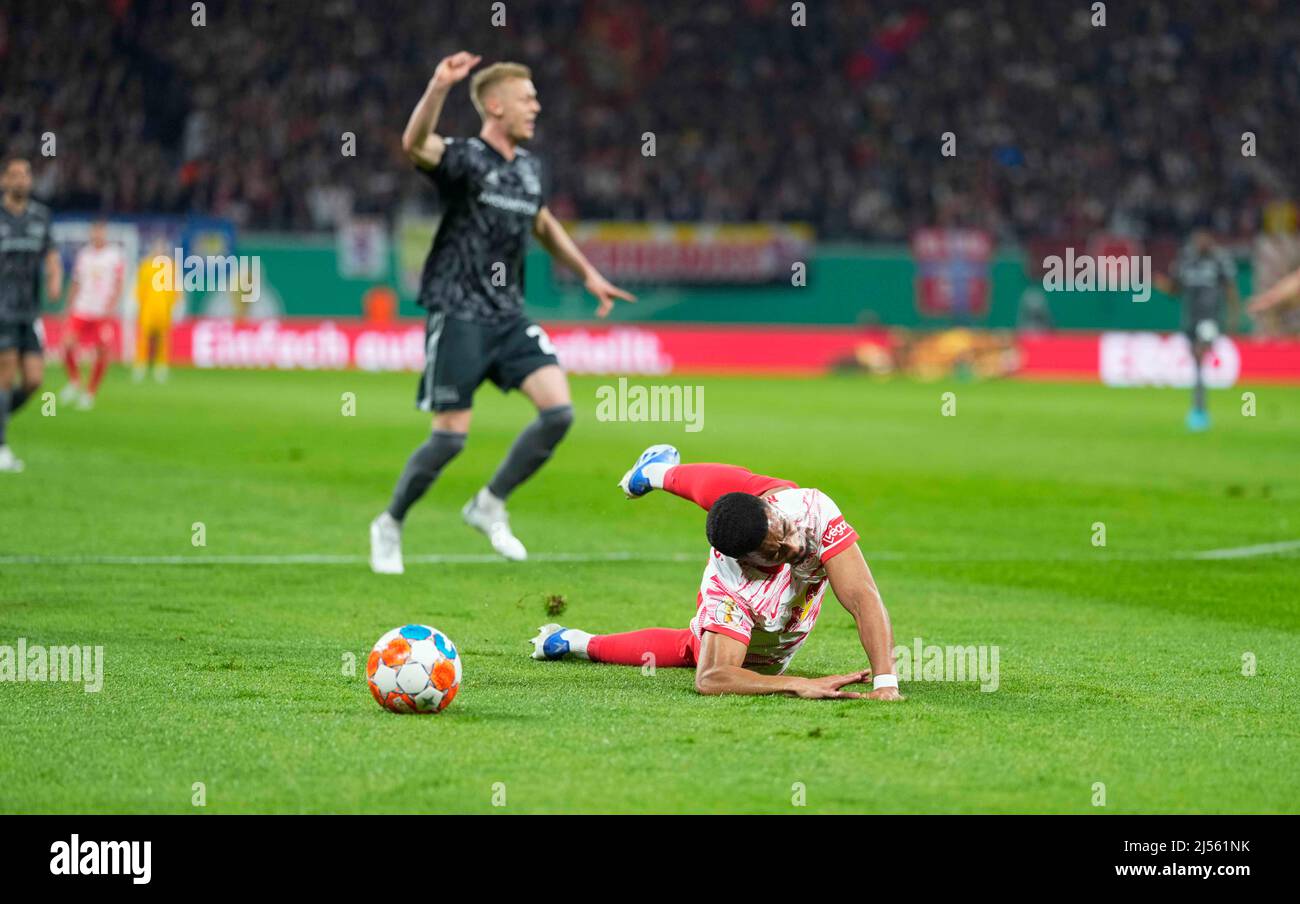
(557, 642)
(636, 483)
(386, 545)
(9, 463)
(487, 513)
(69, 393)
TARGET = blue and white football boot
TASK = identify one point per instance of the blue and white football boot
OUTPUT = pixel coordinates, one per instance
(635, 483)
(550, 643)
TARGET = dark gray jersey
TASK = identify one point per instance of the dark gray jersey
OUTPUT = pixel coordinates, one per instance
(24, 242)
(475, 269)
(1202, 280)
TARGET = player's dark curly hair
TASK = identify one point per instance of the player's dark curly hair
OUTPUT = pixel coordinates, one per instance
(737, 524)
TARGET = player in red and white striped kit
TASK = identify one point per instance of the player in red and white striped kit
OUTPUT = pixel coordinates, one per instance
(97, 278)
(776, 549)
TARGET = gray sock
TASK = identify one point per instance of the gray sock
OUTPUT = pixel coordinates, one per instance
(5, 396)
(1198, 388)
(422, 468)
(531, 449)
(21, 395)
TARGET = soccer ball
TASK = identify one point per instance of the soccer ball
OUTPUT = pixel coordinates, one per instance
(414, 669)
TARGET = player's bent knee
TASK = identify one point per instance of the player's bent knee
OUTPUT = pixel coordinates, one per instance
(452, 421)
(556, 421)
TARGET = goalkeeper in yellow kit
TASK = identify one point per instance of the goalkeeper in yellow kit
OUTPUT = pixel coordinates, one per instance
(154, 325)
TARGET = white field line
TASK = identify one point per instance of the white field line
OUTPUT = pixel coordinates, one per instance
(1246, 552)
(1099, 555)
(313, 559)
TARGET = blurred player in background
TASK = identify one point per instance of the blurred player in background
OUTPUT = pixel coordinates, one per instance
(25, 246)
(154, 327)
(776, 549)
(1203, 275)
(472, 287)
(97, 278)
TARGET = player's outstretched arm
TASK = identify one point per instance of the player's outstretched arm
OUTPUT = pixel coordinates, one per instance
(719, 671)
(561, 246)
(419, 141)
(856, 590)
(1283, 289)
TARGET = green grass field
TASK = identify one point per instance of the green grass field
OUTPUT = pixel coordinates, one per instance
(1121, 665)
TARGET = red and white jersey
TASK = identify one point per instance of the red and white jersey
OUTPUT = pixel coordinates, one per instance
(98, 273)
(773, 609)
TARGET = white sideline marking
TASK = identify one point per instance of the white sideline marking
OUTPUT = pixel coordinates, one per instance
(314, 559)
(1245, 552)
(1235, 552)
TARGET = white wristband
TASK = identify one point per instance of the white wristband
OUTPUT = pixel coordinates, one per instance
(880, 681)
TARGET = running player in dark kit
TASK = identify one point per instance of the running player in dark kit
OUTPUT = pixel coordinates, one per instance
(472, 287)
(1203, 275)
(25, 249)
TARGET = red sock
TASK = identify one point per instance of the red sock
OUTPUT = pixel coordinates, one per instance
(101, 364)
(704, 483)
(70, 362)
(671, 647)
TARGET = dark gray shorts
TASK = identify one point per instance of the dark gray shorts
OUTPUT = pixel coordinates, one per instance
(21, 335)
(460, 354)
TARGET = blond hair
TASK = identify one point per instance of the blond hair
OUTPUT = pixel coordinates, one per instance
(486, 79)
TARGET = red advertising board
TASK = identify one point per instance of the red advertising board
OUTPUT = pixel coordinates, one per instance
(1117, 359)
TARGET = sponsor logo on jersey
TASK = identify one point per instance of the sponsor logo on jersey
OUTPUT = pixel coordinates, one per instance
(513, 205)
(835, 532)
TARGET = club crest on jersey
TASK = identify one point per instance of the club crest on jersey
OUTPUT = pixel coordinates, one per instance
(726, 613)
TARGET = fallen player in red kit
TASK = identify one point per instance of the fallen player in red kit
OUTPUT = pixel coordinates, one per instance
(775, 549)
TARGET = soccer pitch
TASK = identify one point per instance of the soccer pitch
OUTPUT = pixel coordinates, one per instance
(1119, 665)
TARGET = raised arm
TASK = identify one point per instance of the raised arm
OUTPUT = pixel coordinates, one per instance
(561, 246)
(419, 141)
(719, 671)
(856, 590)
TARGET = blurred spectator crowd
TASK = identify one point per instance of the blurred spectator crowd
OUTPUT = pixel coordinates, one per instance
(1060, 127)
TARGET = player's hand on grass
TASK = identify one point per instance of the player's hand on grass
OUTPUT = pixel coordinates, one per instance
(828, 688)
(606, 291)
(454, 68)
(885, 693)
